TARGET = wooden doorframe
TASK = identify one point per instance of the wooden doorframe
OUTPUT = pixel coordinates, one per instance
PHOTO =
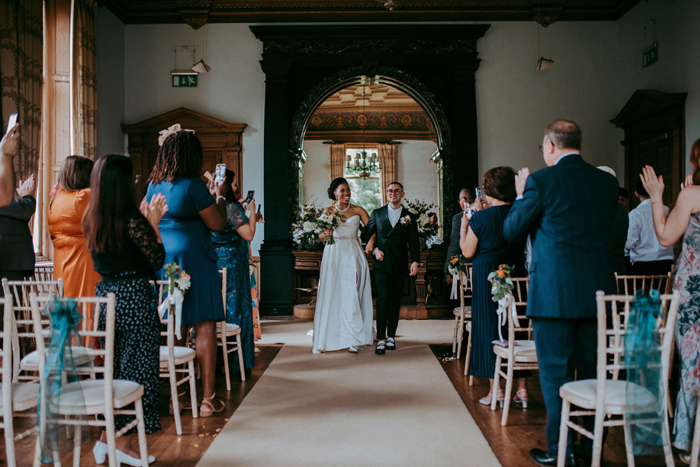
(654, 114)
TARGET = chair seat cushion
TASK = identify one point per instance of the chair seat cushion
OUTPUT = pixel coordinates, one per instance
(181, 354)
(93, 395)
(467, 311)
(524, 351)
(30, 362)
(24, 396)
(583, 394)
(231, 329)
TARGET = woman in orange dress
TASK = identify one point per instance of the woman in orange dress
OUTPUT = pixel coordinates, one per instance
(71, 258)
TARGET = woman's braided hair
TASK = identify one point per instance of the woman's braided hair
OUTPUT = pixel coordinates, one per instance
(180, 156)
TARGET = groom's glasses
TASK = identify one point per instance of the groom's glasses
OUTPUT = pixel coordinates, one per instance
(397, 191)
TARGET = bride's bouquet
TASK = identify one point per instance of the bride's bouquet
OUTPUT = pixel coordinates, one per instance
(329, 220)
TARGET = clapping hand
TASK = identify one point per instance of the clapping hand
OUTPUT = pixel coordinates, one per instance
(27, 188)
(154, 210)
(465, 223)
(9, 145)
(688, 182)
(653, 184)
(520, 179)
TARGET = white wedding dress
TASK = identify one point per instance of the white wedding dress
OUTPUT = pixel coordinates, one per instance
(344, 305)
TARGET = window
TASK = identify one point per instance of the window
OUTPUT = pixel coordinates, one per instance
(363, 173)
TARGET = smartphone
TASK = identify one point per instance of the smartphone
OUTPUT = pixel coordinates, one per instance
(259, 208)
(220, 173)
(477, 192)
(11, 122)
(249, 198)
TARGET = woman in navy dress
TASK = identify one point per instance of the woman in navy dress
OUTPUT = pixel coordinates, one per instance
(482, 238)
(231, 246)
(186, 231)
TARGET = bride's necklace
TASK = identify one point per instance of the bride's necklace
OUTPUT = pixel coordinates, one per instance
(342, 210)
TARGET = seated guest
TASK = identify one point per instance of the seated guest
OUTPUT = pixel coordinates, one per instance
(482, 238)
(231, 245)
(9, 148)
(647, 255)
(127, 250)
(72, 261)
(16, 246)
(465, 197)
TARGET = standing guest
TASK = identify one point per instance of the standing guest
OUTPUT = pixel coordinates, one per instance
(186, 229)
(682, 221)
(623, 197)
(72, 260)
(465, 197)
(127, 250)
(433, 218)
(16, 247)
(482, 237)
(647, 255)
(231, 246)
(9, 148)
(568, 208)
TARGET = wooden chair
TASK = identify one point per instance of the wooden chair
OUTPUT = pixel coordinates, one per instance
(468, 328)
(17, 398)
(628, 285)
(24, 359)
(106, 396)
(43, 271)
(605, 397)
(173, 356)
(226, 330)
(520, 354)
(463, 312)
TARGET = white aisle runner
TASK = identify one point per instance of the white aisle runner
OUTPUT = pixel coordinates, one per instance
(340, 409)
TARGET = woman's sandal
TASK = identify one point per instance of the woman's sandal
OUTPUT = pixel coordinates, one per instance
(520, 400)
(486, 400)
(210, 406)
(183, 404)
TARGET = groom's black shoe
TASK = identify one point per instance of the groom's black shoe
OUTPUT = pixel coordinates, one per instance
(381, 348)
(549, 458)
(390, 344)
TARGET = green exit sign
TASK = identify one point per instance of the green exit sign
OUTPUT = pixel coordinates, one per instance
(188, 80)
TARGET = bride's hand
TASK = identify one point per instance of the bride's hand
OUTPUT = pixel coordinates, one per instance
(379, 254)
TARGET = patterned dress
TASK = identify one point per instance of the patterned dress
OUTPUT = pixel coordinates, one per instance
(232, 253)
(137, 326)
(687, 333)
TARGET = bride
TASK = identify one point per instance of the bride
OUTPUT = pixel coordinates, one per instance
(343, 318)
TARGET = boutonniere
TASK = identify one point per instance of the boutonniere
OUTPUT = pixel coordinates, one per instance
(405, 220)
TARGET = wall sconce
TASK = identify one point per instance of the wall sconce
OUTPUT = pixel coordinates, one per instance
(201, 67)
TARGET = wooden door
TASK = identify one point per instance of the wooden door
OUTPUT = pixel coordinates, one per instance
(663, 154)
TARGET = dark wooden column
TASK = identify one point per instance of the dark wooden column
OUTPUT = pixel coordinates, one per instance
(276, 261)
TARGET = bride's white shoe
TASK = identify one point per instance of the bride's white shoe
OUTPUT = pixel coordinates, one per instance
(100, 451)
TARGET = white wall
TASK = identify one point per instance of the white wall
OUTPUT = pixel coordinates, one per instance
(415, 171)
(678, 68)
(233, 91)
(110, 83)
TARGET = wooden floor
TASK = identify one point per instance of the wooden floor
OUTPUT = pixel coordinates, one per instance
(526, 427)
(511, 444)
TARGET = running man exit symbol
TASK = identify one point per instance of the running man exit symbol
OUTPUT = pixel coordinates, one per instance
(185, 81)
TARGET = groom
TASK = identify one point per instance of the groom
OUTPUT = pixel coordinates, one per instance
(396, 235)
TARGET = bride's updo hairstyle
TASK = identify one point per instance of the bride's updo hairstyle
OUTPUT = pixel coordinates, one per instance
(695, 161)
(334, 186)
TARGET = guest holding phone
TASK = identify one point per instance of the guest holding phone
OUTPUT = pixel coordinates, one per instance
(231, 245)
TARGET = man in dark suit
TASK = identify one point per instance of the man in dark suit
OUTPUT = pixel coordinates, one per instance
(465, 196)
(396, 237)
(568, 209)
(16, 248)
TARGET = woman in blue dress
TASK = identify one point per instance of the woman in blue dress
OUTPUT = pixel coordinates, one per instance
(231, 245)
(186, 231)
(482, 238)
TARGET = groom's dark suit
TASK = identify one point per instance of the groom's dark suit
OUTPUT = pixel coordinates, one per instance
(396, 243)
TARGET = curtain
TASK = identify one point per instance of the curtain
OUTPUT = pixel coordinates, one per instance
(83, 78)
(387, 158)
(21, 69)
(336, 160)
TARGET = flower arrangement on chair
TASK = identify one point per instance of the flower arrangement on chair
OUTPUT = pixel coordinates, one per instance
(502, 292)
(179, 283)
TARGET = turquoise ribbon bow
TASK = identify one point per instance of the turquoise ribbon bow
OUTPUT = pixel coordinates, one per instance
(66, 357)
(646, 399)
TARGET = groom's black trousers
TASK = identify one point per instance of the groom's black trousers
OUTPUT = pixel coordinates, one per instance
(389, 292)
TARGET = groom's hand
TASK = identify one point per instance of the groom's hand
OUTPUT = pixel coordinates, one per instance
(379, 254)
(414, 269)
